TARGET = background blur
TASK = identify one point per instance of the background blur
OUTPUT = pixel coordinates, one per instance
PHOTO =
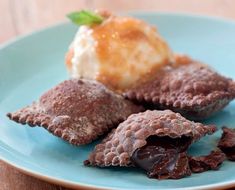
(23, 16)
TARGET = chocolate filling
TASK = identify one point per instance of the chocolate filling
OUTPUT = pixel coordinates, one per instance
(163, 157)
(230, 153)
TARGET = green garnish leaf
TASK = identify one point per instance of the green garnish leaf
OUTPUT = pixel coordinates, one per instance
(85, 18)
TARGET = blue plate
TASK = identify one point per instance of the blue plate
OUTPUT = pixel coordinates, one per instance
(31, 65)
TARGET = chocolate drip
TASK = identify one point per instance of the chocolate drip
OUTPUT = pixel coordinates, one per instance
(163, 157)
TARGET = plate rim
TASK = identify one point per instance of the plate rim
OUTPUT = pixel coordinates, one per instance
(69, 184)
(85, 186)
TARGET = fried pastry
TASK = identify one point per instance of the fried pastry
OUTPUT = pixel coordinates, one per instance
(209, 162)
(155, 141)
(188, 87)
(77, 110)
(227, 143)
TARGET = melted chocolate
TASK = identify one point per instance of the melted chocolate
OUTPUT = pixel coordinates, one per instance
(163, 157)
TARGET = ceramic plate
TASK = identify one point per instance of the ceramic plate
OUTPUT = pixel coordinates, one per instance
(31, 65)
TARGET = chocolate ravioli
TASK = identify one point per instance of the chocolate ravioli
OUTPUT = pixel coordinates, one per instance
(155, 141)
(227, 143)
(77, 110)
(188, 87)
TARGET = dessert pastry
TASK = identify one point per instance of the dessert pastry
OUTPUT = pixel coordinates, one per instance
(227, 143)
(188, 87)
(77, 110)
(117, 51)
(155, 141)
(209, 162)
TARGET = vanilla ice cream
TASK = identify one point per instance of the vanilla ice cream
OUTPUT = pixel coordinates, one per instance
(119, 52)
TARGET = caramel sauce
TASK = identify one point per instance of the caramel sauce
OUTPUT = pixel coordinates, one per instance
(182, 60)
(68, 58)
(116, 39)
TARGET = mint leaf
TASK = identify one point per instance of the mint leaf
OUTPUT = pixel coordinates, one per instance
(85, 18)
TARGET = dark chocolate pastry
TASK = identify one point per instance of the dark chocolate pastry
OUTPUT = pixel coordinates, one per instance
(156, 141)
(76, 110)
(209, 162)
(188, 87)
(227, 143)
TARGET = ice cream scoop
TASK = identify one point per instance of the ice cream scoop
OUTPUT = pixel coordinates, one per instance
(119, 52)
